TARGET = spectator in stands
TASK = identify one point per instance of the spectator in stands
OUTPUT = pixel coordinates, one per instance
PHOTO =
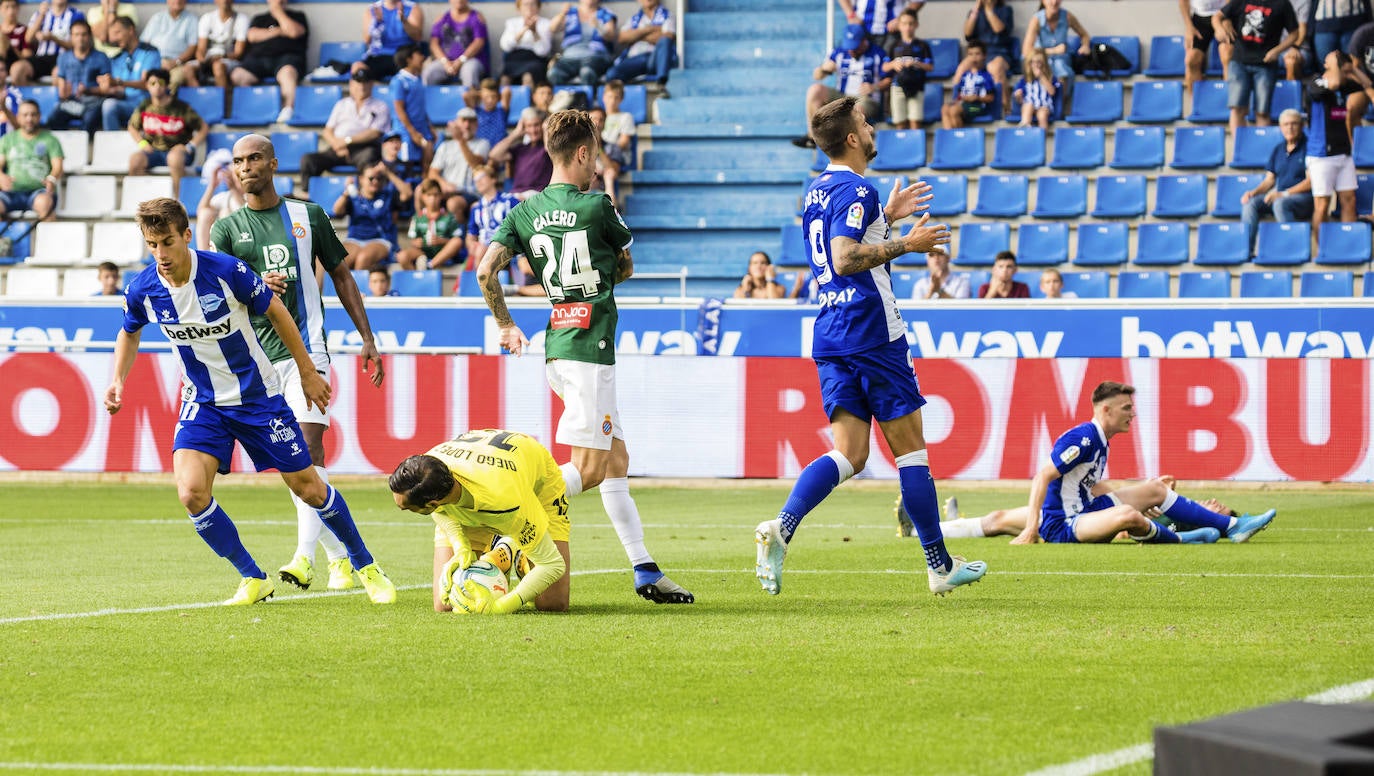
(858, 69)
(277, 43)
(454, 162)
(1036, 93)
(30, 166)
(458, 43)
(973, 92)
(15, 52)
(523, 148)
(597, 114)
(541, 97)
(487, 212)
(174, 33)
(760, 282)
(100, 17)
(1361, 52)
(1197, 40)
(82, 78)
(1333, 24)
(589, 36)
(216, 204)
(49, 34)
(990, 23)
(1329, 164)
(617, 137)
(128, 74)
(387, 26)
(167, 131)
(353, 133)
(1004, 284)
(1052, 285)
(108, 275)
(939, 283)
(10, 97)
(650, 46)
(1285, 191)
(371, 205)
(410, 109)
(1298, 59)
(491, 110)
(222, 39)
(911, 61)
(379, 283)
(1257, 48)
(527, 45)
(435, 237)
(391, 156)
(1048, 33)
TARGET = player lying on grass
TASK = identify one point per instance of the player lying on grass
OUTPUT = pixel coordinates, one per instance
(481, 486)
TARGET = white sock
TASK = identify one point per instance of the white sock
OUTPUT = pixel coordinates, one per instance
(620, 507)
(572, 478)
(963, 528)
(310, 529)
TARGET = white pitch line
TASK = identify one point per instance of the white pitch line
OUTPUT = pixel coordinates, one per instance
(314, 769)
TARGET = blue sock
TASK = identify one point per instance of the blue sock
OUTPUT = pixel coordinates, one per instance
(1185, 510)
(218, 531)
(336, 517)
(815, 483)
(922, 506)
(1162, 534)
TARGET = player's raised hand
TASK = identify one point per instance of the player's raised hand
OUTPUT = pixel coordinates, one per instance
(114, 398)
(316, 389)
(372, 364)
(907, 200)
(924, 236)
(513, 339)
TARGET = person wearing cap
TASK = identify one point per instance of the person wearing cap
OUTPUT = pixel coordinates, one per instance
(531, 166)
(858, 69)
(454, 161)
(938, 282)
(353, 133)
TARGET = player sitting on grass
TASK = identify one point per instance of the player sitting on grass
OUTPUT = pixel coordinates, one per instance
(478, 486)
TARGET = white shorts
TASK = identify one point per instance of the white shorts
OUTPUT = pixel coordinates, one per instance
(590, 418)
(290, 379)
(1331, 174)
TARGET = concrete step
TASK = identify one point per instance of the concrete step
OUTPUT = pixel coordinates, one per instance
(730, 177)
(701, 223)
(780, 8)
(780, 54)
(807, 25)
(726, 251)
(780, 108)
(787, 129)
(726, 81)
(777, 154)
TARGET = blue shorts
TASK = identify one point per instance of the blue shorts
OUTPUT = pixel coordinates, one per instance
(22, 200)
(156, 158)
(877, 383)
(1057, 528)
(268, 432)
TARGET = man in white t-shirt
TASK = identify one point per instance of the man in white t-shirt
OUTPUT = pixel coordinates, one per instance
(223, 37)
(939, 283)
(455, 159)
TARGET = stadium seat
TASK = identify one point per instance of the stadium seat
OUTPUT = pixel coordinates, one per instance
(420, 282)
(1221, 245)
(1031, 277)
(254, 106)
(1042, 245)
(19, 248)
(934, 98)
(519, 100)
(1088, 285)
(344, 51)
(1199, 148)
(1253, 146)
(1061, 196)
(80, 282)
(284, 184)
(76, 149)
(314, 104)
(1102, 244)
(1364, 194)
(1344, 243)
(110, 151)
(958, 149)
(1229, 191)
(60, 242)
(1363, 147)
(206, 101)
(117, 241)
(1283, 245)
(1204, 285)
(225, 140)
(31, 282)
(979, 244)
(1096, 102)
(1209, 103)
(1266, 285)
(1156, 102)
(359, 280)
(1119, 196)
(325, 189)
(1287, 94)
(291, 146)
(944, 53)
(820, 162)
(636, 103)
(1152, 284)
(904, 282)
(1336, 284)
(1077, 148)
(1180, 196)
(87, 196)
(1168, 57)
(899, 149)
(45, 96)
(794, 252)
(949, 194)
(1018, 148)
(1161, 244)
(141, 188)
(192, 187)
(1137, 148)
(1001, 196)
(382, 91)
(467, 285)
(1128, 45)
(883, 184)
(442, 102)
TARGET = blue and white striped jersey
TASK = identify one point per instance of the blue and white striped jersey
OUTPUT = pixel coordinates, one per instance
(851, 72)
(59, 25)
(858, 312)
(222, 361)
(1035, 94)
(661, 17)
(875, 14)
(1080, 455)
(574, 33)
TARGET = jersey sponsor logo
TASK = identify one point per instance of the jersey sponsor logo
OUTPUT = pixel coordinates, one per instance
(565, 218)
(606, 426)
(297, 231)
(572, 315)
(192, 331)
(259, 288)
(277, 258)
(210, 302)
(834, 298)
(280, 431)
(156, 124)
(855, 218)
(1069, 455)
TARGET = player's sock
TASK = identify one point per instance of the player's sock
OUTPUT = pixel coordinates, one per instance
(815, 483)
(339, 520)
(218, 531)
(310, 529)
(620, 507)
(962, 528)
(333, 548)
(572, 478)
(921, 503)
(1181, 509)
(1158, 534)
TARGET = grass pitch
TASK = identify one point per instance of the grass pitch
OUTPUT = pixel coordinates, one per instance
(1062, 652)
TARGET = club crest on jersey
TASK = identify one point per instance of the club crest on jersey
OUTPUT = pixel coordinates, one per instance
(297, 231)
(855, 218)
(280, 432)
(573, 315)
(210, 302)
(606, 425)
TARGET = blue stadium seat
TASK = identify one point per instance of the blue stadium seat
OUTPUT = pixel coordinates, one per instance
(1156, 102)
(1266, 285)
(1088, 285)
(284, 185)
(226, 140)
(820, 162)
(192, 187)
(1128, 45)
(313, 105)
(468, 287)
(934, 98)
(1061, 196)
(883, 184)
(519, 100)
(587, 91)
(1283, 245)
(1001, 196)
(1161, 244)
(1042, 245)
(1142, 285)
(1364, 194)
(950, 194)
(382, 92)
(1119, 196)
(1287, 94)
(1253, 146)
(1168, 57)
(958, 149)
(1229, 190)
(1031, 277)
(979, 243)
(206, 101)
(1204, 285)
(1339, 284)
(291, 146)
(1078, 148)
(345, 51)
(1102, 244)
(46, 97)
(899, 149)
(1096, 102)
(1363, 147)
(793, 252)
(945, 53)
(422, 282)
(1209, 103)
(1341, 243)
(1214, 60)
(636, 103)
(21, 249)
(359, 280)
(254, 106)
(325, 190)
(1018, 148)
(1199, 147)
(442, 102)
(1138, 148)
(1180, 196)
(977, 277)
(903, 282)
(1221, 245)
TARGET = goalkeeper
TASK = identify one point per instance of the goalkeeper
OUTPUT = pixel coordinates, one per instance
(481, 487)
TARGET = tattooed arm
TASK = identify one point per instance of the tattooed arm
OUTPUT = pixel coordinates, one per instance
(624, 266)
(852, 257)
(497, 258)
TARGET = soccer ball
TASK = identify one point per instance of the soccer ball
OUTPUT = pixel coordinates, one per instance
(476, 587)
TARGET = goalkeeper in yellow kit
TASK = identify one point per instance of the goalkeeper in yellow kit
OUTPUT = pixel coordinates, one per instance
(485, 485)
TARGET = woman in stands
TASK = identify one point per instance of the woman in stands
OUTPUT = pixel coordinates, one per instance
(1048, 33)
(759, 282)
(528, 44)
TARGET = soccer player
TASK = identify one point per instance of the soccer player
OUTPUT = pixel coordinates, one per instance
(486, 489)
(579, 247)
(1069, 503)
(281, 239)
(206, 304)
(860, 345)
